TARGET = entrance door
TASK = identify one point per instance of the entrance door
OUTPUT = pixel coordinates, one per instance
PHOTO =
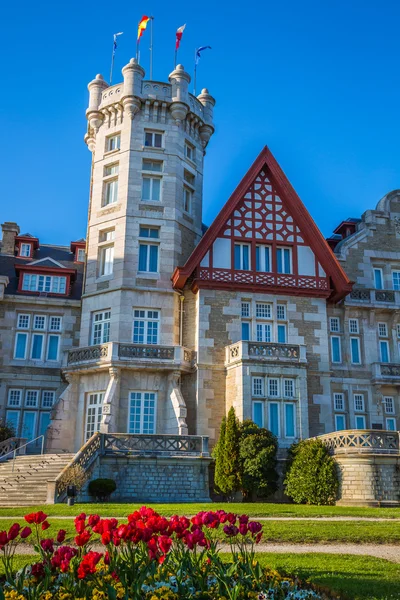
(93, 414)
(43, 424)
(12, 419)
(28, 425)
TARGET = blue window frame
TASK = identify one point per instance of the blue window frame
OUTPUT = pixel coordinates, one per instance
(273, 420)
(335, 348)
(289, 420)
(258, 413)
(245, 331)
(355, 351)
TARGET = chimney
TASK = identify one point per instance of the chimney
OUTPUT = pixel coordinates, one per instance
(10, 231)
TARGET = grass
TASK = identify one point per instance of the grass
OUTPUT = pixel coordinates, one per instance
(297, 532)
(353, 577)
(255, 510)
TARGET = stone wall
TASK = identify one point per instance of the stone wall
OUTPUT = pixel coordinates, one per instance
(154, 479)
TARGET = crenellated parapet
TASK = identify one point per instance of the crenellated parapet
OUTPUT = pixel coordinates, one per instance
(158, 102)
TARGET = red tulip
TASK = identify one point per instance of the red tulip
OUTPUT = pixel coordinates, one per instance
(26, 532)
(45, 525)
(61, 536)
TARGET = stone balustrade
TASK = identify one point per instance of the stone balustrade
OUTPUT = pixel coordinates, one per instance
(125, 355)
(265, 351)
(361, 441)
(389, 372)
(371, 296)
(9, 445)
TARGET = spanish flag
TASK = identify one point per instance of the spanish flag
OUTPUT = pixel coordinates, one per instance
(142, 26)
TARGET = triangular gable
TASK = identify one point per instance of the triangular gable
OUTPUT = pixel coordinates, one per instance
(47, 262)
(265, 211)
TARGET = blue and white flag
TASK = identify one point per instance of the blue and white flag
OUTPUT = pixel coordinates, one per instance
(198, 55)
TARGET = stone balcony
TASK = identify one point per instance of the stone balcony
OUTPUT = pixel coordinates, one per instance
(372, 297)
(386, 373)
(115, 354)
(265, 352)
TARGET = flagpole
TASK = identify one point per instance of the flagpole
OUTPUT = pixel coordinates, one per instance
(195, 72)
(176, 54)
(112, 59)
(151, 48)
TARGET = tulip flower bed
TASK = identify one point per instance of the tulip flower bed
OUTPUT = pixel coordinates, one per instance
(150, 557)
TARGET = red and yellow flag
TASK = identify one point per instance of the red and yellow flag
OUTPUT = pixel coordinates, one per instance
(142, 26)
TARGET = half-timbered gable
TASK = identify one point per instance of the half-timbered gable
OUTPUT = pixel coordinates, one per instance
(264, 240)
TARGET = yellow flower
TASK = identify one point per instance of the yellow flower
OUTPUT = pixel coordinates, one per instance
(13, 595)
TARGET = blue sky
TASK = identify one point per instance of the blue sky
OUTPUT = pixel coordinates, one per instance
(318, 82)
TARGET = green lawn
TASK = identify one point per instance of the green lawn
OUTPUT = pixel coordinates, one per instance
(256, 510)
(353, 577)
(287, 531)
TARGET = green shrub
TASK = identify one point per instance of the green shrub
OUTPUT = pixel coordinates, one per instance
(102, 488)
(219, 456)
(6, 431)
(311, 477)
(257, 451)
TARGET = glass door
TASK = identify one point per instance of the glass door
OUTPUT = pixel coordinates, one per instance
(93, 414)
(28, 425)
(44, 421)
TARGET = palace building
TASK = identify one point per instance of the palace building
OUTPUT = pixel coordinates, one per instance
(157, 325)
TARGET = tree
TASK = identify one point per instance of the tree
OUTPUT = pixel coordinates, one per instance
(219, 455)
(231, 454)
(257, 451)
(311, 477)
(7, 431)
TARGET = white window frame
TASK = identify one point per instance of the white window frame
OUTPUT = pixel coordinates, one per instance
(337, 362)
(396, 275)
(375, 269)
(146, 319)
(264, 310)
(282, 261)
(53, 395)
(110, 191)
(385, 405)
(10, 393)
(142, 399)
(102, 322)
(80, 255)
(282, 308)
(110, 139)
(264, 332)
(111, 170)
(383, 330)
(332, 327)
(353, 326)
(258, 387)
(289, 437)
(189, 146)
(153, 133)
(42, 335)
(53, 335)
(292, 381)
(151, 177)
(391, 420)
(24, 333)
(359, 350)
(241, 245)
(278, 405)
(43, 319)
(106, 260)
(98, 409)
(149, 241)
(340, 416)
(262, 403)
(24, 316)
(25, 246)
(338, 397)
(381, 344)
(35, 394)
(272, 379)
(356, 398)
(57, 319)
(34, 283)
(263, 248)
(187, 200)
(245, 310)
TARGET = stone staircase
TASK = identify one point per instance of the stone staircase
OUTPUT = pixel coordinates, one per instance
(27, 485)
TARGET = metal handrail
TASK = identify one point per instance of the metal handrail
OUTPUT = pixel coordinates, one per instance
(14, 452)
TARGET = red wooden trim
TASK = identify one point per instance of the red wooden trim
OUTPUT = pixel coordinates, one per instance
(38, 293)
(307, 226)
(56, 271)
(259, 289)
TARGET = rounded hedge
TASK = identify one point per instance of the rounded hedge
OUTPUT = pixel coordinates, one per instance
(102, 488)
(311, 477)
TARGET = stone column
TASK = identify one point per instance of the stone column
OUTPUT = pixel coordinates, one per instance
(111, 402)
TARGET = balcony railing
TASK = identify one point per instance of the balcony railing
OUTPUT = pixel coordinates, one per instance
(386, 371)
(116, 354)
(372, 296)
(265, 351)
(362, 441)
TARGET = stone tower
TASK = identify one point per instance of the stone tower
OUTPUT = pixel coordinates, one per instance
(148, 142)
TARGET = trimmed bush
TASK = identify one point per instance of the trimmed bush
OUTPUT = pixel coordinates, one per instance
(311, 477)
(102, 488)
(257, 451)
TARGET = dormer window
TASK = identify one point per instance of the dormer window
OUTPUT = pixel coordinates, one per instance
(25, 250)
(80, 255)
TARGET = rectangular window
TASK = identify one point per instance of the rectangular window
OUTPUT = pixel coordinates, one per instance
(355, 351)
(273, 388)
(25, 250)
(42, 283)
(93, 414)
(258, 386)
(113, 142)
(153, 139)
(378, 279)
(39, 322)
(146, 326)
(384, 351)
(20, 346)
(148, 253)
(55, 324)
(110, 192)
(398, 330)
(37, 346)
(258, 413)
(151, 189)
(106, 260)
(245, 309)
(290, 424)
(80, 255)
(110, 170)
(245, 331)
(340, 422)
(334, 324)
(396, 280)
(189, 177)
(12, 419)
(14, 397)
(52, 347)
(189, 151)
(382, 330)
(388, 403)
(284, 260)
(23, 321)
(156, 166)
(142, 413)
(31, 398)
(359, 403)
(242, 257)
(263, 311)
(353, 326)
(360, 422)
(335, 349)
(48, 399)
(101, 327)
(391, 424)
(187, 200)
(338, 401)
(281, 334)
(281, 312)
(264, 332)
(263, 259)
(273, 417)
(288, 388)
